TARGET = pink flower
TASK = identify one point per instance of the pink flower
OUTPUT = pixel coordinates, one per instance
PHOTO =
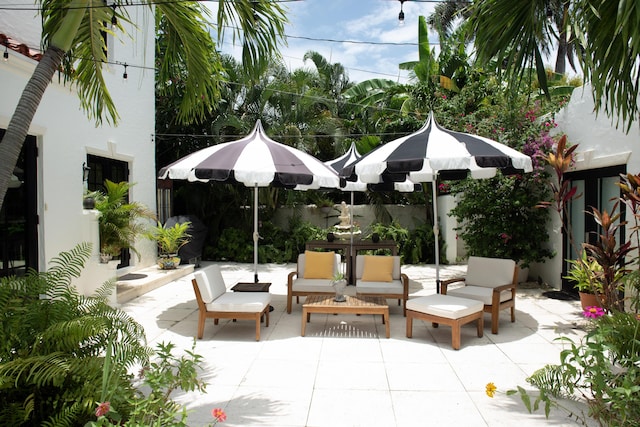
(505, 238)
(219, 415)
(593, 312)
(102, 409)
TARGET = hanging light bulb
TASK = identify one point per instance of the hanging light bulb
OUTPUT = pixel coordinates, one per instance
(5, 55)
(401, 14)
(125, 76)
(114, 18)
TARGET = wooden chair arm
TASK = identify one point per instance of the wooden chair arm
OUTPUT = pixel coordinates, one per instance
(405, 283)
(495, 296)
(445, 283)
(290, 279)
(505, 287)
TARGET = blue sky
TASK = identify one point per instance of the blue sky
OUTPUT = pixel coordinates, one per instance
(371, 21)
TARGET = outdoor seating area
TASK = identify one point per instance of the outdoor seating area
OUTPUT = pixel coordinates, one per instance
(345, 371)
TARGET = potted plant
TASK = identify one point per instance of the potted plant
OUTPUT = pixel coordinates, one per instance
(339, 284)
(119, 222)
(170, 240)
(583, 274)
(610, 256)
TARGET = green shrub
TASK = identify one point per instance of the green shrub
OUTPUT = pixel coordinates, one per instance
(420, 246)
(499, 218)
(602, 371)
(53, 343)
(234, 245)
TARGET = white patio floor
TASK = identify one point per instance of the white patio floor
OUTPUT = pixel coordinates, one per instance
(344, 372)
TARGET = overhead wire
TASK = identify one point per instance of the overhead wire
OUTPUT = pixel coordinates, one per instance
(22, 7)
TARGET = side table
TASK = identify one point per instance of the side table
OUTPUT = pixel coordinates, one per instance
(252, 287)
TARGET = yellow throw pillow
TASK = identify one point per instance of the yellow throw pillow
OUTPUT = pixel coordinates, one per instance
(318, 265)
(377, 269)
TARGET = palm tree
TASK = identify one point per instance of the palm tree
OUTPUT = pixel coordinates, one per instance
(508, 34)
(72, 38)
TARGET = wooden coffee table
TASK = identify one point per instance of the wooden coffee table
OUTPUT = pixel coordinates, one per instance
(353, 305)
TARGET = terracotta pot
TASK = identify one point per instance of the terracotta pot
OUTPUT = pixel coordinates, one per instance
(589, 300)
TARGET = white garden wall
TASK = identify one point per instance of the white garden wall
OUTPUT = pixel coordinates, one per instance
(65, 135)
(600, 145)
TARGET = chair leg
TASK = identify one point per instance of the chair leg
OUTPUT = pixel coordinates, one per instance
(258, 316)
(201, 319)
(455, 335)
(289, 297)
(409, 326)
(495, 319)
(513, 314)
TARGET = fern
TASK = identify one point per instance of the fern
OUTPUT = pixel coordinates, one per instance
(53, 343)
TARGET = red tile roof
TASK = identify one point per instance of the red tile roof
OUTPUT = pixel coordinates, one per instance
(18, 47)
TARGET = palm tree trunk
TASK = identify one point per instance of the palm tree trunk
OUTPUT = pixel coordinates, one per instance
(562, 53)
(18, 128)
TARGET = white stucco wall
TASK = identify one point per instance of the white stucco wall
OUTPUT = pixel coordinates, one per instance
(600, 145)
(65, 134)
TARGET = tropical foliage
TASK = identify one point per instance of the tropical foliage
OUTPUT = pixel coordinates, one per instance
(499, 218)
(509, 36)
(120, 221)
(170, 239)
(601, 370)
(53, 346)
(73, 40)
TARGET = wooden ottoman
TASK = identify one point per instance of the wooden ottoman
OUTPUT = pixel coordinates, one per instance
(448, 310)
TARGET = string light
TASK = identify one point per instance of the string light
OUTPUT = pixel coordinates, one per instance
(125, 76)
(114, 18)
(401, 14)
(5, 55)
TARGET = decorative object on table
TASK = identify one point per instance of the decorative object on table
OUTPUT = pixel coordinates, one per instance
(339, 284)
(375, 237)
(169, 240)
(330, 237)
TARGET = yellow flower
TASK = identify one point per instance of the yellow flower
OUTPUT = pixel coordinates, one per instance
(491, 389)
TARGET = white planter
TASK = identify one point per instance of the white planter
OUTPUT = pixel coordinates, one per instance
(523, 274)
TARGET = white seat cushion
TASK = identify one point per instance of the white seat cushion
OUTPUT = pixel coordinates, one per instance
(394, 287)
(245, 302)
(311, 285)
(445, 306)
(479, 293)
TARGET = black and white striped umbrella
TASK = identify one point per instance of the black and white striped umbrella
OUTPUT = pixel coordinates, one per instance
(351, 156)
(255, 161)
(433, 153)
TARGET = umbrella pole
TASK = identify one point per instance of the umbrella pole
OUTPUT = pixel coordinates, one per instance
(436, 230)
(256, 236)
(351, 254)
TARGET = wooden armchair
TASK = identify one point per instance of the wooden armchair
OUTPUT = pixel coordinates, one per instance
(490, 280)
(313, 275)
(380, 276)
(216, 303)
